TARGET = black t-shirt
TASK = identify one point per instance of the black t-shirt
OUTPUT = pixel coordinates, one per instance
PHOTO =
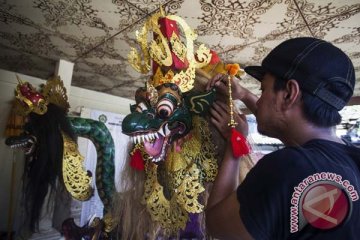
(307, 192)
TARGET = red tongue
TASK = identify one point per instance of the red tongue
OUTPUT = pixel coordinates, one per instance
(154, 148)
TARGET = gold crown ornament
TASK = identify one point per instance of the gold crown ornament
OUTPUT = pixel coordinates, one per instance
(30, 100)
(173, 57)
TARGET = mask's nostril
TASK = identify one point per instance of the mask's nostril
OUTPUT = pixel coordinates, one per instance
(150, 115)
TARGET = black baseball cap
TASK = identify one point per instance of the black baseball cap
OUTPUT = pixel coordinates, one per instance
(314, 64)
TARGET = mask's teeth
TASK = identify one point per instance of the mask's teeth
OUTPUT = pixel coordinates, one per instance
(137, 139)
(161, 131)
(147, 137)
(156, 135)
(167, 130)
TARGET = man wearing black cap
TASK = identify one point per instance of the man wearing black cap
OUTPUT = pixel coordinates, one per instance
(309, 189)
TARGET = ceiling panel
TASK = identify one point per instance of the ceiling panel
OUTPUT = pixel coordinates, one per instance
(25, 63)
(108, 65)
(35, 42)
(253, 53)
(148, 6)
(230, 18)
(36, 12)
(97, 34)
(319, 10)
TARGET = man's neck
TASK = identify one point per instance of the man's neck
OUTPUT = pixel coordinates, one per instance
(299, 135)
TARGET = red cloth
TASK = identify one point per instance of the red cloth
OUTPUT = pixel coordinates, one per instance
(137, 161)
(214, 58)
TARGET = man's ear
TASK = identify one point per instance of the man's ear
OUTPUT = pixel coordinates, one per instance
(291, 93)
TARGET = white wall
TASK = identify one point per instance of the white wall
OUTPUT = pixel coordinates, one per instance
(78, 98)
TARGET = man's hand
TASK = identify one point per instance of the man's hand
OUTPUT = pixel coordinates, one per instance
(220, 117)
(221, 83)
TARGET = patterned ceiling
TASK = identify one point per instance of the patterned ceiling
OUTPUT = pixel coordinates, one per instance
(97, 34)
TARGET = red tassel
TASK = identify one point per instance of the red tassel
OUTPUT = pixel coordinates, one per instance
(238, 143)
(137, 161)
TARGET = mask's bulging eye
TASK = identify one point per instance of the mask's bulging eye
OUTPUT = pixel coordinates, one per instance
(141, 107)
(164, 108)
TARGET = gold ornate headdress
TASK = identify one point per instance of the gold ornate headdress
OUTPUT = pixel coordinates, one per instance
(174, 60)
(31, 100)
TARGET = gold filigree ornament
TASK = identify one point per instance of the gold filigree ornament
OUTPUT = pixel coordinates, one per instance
(55, 92)
(184, 176)
(178, 47)
(159, 79)
(185, 80)
(138, 62)
(203, 56)
(153, 95)
(109, 223)
(77, 180)
(159, 51)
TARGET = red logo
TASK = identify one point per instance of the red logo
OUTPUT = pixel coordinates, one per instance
(325, 206)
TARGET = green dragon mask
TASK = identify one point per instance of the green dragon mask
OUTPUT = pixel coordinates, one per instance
(160, 124)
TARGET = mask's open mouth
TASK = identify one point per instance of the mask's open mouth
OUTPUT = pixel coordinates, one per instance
(27, 143)
(156, 142)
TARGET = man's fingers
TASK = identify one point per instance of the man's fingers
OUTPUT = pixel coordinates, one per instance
(211, 83)
(218, 112)
(223, 105)
(221, 127)
(219, 81)
(241, 120)
(242, 123)
(215, 114)
(214, 121)
(243, 117)
(221, 109)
